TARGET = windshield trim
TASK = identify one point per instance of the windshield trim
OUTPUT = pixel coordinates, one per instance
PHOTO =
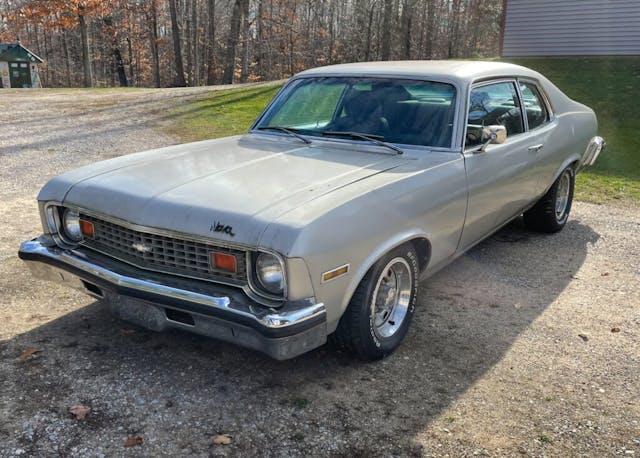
(404, 146)
(455, 131)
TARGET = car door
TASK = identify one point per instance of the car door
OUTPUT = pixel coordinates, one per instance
(540, 123)
(500, 179)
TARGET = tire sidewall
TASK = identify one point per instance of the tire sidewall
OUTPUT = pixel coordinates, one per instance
(565, 216)
(382, 346)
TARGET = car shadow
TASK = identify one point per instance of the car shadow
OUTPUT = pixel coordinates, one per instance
(188, 388)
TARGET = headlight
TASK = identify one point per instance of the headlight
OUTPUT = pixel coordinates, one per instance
(71, 223)
(270, 273)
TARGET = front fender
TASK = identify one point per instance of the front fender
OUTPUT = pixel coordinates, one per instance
(372, 217)
(388, 245)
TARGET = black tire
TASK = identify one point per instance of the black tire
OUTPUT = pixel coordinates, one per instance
(551, 212)
(358, 331)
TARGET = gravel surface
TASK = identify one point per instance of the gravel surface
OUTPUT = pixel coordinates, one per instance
(527, 345)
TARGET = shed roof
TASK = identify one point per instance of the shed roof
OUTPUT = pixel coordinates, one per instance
(15, 52)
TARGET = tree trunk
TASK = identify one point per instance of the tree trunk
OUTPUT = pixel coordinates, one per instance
(332, 34)
(86, 56)
(407, 12)
(122, 75)
(65, 53)
(37, 39)
(453, 32)
(244, 75)
(367, 54)
(211, 43)
(386, 30)
(132, 74)
(259, 44)
(232, 42)
(195, 80)
(189, 55)
(50, 74)
(431, 14)
(153, 43)
(175, 31)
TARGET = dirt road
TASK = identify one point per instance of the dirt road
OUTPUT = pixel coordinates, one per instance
(512, 352)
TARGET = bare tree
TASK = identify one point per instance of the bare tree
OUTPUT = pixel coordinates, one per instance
(152, 20)
(261, 39)
(211, 42)
(232, 40)
(386, 30)
(86, 53)
(176, 45)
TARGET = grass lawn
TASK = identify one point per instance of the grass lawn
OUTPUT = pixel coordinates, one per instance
(609, 85)
(222, 113)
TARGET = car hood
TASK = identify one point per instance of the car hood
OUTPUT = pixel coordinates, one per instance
(229, 189)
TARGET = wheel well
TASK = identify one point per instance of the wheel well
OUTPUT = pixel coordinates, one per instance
(423, 248)
(574, 165)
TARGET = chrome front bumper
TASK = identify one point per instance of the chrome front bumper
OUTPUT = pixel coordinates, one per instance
(159, 302)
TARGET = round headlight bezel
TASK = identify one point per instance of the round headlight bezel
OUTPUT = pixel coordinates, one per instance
(270, 265)
(71, 226)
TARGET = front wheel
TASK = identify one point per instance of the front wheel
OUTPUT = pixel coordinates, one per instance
(551, 212)
(381, 309)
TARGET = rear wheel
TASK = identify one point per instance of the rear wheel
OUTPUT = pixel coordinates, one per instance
(381, 309)
(551, 212)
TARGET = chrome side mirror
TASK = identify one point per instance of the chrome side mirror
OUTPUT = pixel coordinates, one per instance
(493, 134)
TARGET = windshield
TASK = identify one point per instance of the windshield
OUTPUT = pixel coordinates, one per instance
(398, 111)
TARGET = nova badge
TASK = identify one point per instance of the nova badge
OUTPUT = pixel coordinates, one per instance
(141, 248)
(218, 227)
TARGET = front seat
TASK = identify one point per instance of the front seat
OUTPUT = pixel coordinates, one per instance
(362, 114)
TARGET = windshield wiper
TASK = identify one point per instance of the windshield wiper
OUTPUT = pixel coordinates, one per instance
(377, 139)
(287, 130)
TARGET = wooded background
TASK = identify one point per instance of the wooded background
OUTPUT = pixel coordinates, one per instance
(196, 42)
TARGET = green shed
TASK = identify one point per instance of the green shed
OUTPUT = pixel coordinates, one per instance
(18, 66)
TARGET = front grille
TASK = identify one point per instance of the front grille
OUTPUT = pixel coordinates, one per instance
(164, 254)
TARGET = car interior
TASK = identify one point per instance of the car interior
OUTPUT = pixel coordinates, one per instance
(391, 111)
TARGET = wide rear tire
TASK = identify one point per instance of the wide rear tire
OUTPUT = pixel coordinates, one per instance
(551, 212)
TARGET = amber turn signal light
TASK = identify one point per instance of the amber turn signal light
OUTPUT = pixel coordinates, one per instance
(223, 261)
(86, 228)
(335, 273)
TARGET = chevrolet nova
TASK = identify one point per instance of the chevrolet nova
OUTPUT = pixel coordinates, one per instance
(355, 182)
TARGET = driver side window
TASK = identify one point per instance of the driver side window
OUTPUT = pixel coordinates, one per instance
(490, 105)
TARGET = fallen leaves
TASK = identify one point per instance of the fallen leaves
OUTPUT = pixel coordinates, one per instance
(79, 411)
(28, 352)
(133, 441)
(221, 439)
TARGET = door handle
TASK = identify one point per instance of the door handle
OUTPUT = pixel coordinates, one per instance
(535, 148)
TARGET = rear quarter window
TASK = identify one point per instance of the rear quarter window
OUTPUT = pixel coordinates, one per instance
(537, 113)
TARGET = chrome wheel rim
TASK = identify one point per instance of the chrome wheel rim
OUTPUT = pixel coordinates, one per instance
(562, 195)
(391, 297)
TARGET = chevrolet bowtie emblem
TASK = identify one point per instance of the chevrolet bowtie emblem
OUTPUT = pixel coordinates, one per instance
(142, 248)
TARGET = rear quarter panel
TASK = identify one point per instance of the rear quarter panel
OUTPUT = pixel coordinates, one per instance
(567, 136)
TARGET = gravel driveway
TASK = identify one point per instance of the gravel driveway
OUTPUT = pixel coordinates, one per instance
(527, 345)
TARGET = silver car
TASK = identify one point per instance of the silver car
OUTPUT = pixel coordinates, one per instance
(356, 181)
